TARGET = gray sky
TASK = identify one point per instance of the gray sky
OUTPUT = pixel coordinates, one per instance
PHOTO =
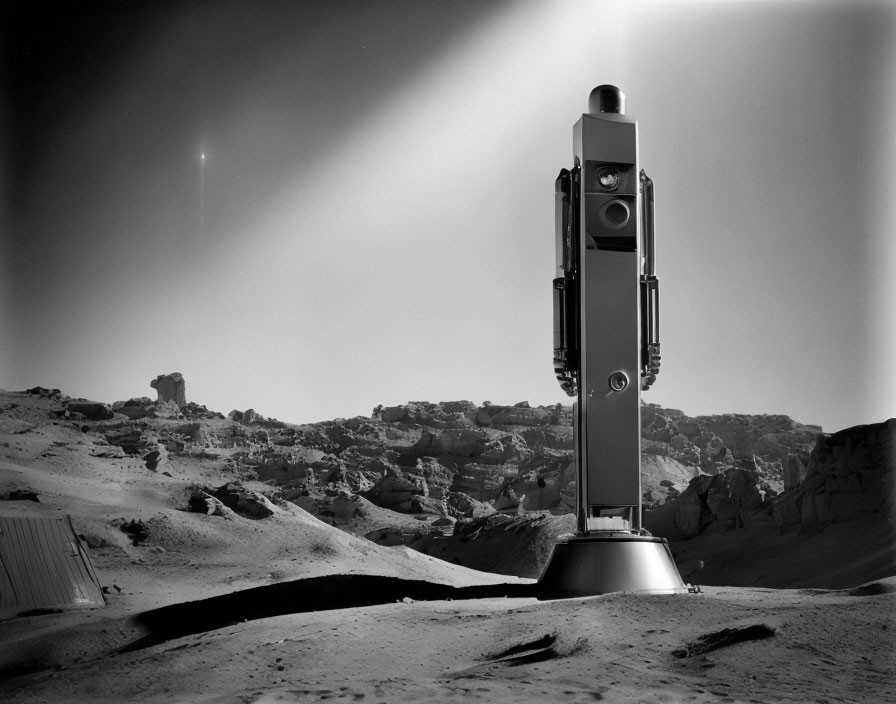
(377, 200)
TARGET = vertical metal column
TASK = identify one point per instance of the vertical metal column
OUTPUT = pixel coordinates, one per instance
(609, 388)
(606, 349)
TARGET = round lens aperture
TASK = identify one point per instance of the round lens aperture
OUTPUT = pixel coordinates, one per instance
(614, 215)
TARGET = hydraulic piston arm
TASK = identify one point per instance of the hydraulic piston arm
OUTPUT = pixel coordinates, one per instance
(650, 290)
(566, 293)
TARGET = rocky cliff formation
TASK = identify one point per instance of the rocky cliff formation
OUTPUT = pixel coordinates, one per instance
(849, 473)
(478, 484)
(460, 461)
(845, 475)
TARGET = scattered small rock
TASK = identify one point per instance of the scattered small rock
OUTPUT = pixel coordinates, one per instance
(20, 495)
(112, 451)
(722, 639)
(137, 530)
(156, 458)
(234, 497)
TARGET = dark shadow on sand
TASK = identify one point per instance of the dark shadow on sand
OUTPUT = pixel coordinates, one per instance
(301, 596)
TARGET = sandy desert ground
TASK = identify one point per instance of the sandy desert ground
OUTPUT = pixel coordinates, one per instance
(229, 609)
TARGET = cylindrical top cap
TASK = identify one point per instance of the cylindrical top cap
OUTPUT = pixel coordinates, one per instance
(606, 98)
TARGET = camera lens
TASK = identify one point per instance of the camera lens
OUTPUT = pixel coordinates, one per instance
(608, 179)
(618, 381)
(614, 214)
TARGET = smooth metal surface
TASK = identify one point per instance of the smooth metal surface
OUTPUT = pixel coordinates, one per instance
(611, 422)
(606, 138)
(42, 564)
(584, 566)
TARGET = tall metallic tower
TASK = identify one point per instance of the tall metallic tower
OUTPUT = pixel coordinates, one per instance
(606, 351)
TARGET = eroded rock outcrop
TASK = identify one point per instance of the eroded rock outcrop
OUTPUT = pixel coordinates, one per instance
(716, 442)
(89, 410)
(397, 489)
(483, 482)
(235, 497)
(849, 473)
(465, 506)
(513, 458)
(170, 387)
(663, 478)
(128, 438)
(459, 460)
(794, 471)
(518, 414)
(133, 408)
(728, 499)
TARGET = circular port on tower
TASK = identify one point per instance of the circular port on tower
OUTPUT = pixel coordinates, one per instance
(615, 214)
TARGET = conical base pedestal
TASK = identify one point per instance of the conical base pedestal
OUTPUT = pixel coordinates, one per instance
(615, 562)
